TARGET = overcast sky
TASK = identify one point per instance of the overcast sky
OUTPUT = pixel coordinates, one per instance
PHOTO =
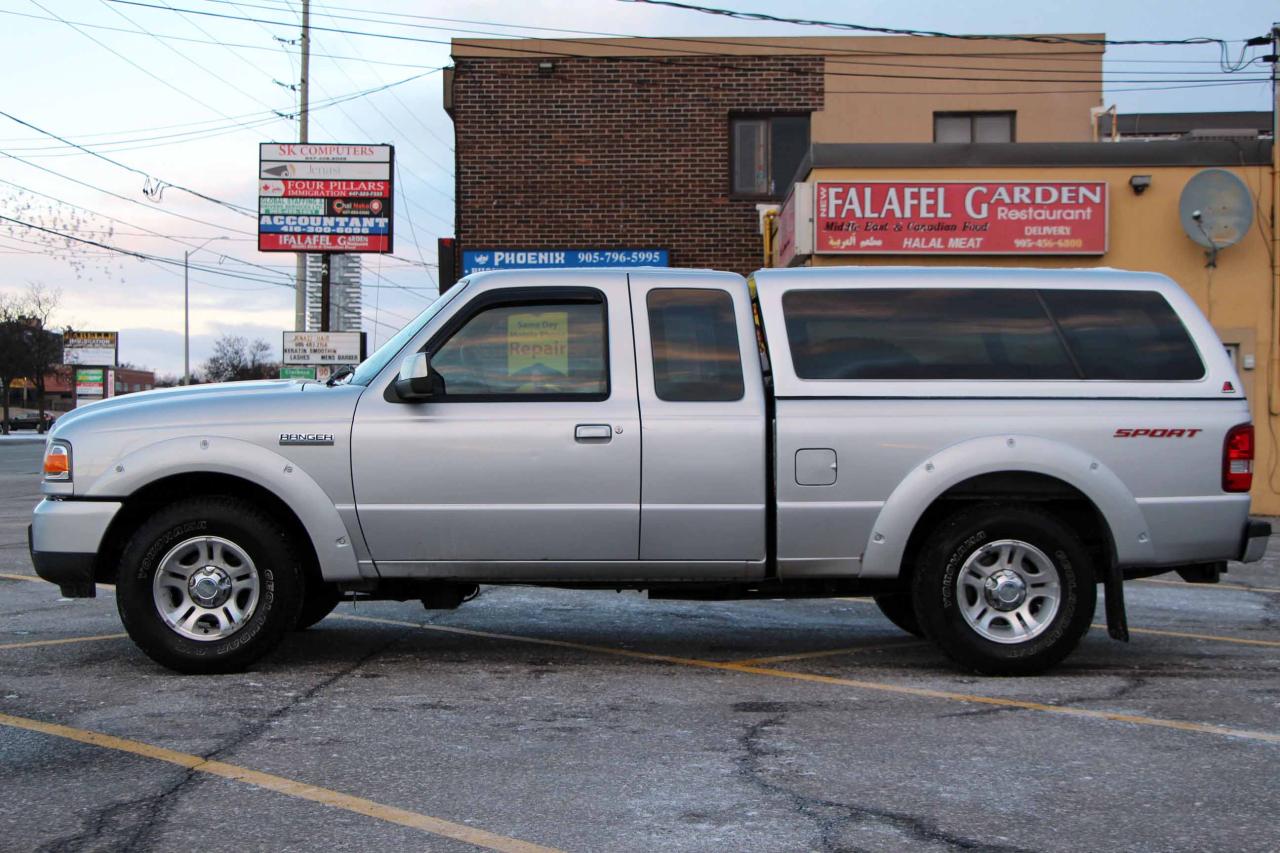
(159, 98)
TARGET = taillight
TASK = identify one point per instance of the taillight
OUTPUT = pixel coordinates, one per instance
(1237, 459)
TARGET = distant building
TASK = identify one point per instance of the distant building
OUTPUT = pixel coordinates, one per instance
(345, 303)
(1145, 127)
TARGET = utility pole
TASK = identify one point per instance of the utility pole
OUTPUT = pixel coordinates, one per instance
(326, 264)
(186, 317)
(300, 280)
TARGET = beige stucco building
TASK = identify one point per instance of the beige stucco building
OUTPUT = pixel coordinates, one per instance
(1144, 182)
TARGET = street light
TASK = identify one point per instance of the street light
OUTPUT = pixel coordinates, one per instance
(186, 307)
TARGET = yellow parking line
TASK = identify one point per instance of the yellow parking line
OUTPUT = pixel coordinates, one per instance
(34, 643)
(1201, 728)
(1217, 639)
(282, 785)
(1219, 586)
(828, 653)
(880, 686)
(102, 587)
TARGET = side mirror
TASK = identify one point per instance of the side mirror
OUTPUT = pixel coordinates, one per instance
(416, 380)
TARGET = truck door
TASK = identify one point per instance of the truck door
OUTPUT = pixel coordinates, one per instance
(530, 454)
(703, 475)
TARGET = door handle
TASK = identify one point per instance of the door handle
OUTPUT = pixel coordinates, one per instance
(593, 432)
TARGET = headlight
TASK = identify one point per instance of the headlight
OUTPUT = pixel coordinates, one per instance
(57, 462)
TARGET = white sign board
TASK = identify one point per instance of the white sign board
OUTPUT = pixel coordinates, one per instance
(327, 171)
(93, 348)
(321, 348)
(322, 152)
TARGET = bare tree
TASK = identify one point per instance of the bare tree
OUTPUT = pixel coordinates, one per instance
(235, 358)
(43, 343)
(30, 348)
(12, 351)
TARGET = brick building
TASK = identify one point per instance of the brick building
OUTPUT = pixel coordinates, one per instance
(676, 144)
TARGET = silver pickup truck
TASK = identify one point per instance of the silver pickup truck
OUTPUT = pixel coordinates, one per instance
(978, 449)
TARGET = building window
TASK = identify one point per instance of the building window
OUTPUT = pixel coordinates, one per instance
(973, 127)
(766, 151)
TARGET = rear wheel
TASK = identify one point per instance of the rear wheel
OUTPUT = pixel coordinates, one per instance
(899, 609)
(1004, 590)
(208, 585)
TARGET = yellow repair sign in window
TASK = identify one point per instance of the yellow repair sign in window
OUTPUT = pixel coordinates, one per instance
(538, 344)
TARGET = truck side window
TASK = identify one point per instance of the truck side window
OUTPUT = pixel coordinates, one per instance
(694, 338)
(923, 333)
(1125, 334)
(528, 351)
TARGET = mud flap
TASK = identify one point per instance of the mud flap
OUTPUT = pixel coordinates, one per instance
(1117, 621)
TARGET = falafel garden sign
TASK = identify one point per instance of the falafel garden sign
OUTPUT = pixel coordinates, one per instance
(960, 217)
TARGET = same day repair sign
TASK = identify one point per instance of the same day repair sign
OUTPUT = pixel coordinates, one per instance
(958, 217)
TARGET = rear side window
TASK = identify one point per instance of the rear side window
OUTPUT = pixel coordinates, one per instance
(1125, 334)
(987, 333)
(923, 334)
(695, 345)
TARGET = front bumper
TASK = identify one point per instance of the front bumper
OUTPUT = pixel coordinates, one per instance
(64, 537)
(1257, 533)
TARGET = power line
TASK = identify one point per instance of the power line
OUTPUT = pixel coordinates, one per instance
(189, 40)
(149, 232)
(143, 256)
(721, 58)
(1038, 56)
(155, 187)
(123, 197)
(191, 61)
(126, 59)
(894, 31)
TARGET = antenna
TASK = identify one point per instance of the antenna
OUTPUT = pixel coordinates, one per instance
(1216, 210)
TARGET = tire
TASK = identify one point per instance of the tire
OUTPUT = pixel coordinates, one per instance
(242, 591)
(317, 603)
(899, 609)
(971, 572)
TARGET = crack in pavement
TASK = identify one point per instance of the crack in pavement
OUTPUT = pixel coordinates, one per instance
(831, 816)
(147, 824)
(1129, 683)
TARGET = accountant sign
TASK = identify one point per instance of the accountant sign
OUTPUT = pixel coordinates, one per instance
(960, 218)
(317, 197)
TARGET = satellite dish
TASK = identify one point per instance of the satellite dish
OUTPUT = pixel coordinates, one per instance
(1216, 210)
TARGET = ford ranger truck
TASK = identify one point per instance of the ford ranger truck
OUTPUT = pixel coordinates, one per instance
(978, 449)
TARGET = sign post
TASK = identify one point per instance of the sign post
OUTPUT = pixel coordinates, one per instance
(332, 348)
(91, 357)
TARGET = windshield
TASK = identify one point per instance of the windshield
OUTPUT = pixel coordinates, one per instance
(372, 366)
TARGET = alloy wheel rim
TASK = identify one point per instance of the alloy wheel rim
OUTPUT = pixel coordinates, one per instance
(206, 588)
(1009, 591)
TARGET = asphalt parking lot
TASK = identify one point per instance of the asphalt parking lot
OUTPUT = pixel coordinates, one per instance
(595, 721)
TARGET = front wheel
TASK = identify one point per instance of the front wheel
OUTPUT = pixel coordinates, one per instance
(208, 585)
(1004, 590)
